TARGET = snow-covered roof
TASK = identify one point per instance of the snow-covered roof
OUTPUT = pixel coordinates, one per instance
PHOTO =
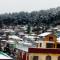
(33, 34)
(25, 43)
(0, 37)
(58, 39)
(28, 36)
(55, 28)
(29, 44)
(44, 34)
(3, 40)
(4, 56)
(24, 47)
(49, 30)
(11, 42)
(4, 35)
(9, 30)
(21, 33)
(15, 37)
(58, 30)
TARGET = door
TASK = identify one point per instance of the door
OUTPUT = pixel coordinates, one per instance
(48, 57)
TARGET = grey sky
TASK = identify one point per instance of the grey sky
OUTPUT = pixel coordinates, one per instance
(27, 5)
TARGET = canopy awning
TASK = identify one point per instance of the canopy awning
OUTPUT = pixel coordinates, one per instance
(4, 56)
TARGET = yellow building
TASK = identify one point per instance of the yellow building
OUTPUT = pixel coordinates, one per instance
(48, 41)
(46, 49)
(44, 54)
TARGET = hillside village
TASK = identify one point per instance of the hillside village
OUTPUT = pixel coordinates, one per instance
(30, 46)
(29, 29)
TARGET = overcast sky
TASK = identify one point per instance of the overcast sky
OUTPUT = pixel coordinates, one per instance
(27, 5)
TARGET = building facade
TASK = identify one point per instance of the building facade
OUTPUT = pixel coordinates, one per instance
(46, 49)
(44, 54)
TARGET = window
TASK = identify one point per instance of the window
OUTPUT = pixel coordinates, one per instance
(49, 45)
(48, 57)
(36, 44)
(50, 38)
(58, 57)
(58, 45)
(40, 44)
(35, 57)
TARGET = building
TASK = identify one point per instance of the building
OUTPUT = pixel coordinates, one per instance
(44, 54)
(47, 48)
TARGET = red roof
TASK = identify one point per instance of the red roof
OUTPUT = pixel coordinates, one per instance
(44, 50)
